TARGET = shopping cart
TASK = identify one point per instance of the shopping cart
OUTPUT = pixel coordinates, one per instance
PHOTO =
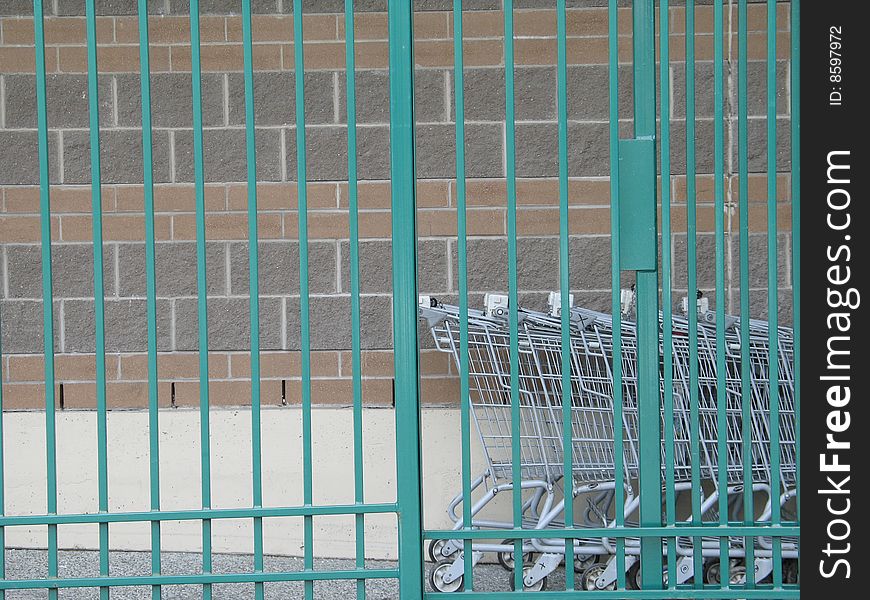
(593, 448)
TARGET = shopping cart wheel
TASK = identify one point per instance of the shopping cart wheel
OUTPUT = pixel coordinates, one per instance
(583, 562)
(506, 559)
(712, 571)
(436, 578)
(539, 586)
(592, 574)
(435, 550)
(737, 575)
(632, 576)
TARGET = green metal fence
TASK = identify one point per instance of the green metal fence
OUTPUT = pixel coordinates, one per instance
(634, 169)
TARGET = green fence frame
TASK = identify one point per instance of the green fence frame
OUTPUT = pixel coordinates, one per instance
(633, 171)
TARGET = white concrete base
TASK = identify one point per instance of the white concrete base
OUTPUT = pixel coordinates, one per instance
(231, 464)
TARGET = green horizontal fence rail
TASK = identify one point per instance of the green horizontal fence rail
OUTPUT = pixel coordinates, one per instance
(634, 166)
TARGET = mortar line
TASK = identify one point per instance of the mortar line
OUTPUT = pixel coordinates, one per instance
(729, 205)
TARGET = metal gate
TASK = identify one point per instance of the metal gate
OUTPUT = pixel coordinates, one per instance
(647, 542)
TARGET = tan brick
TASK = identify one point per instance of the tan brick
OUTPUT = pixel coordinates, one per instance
(17, 59)
(594, 22)
(17, 32)
(439, 390)
(19, 228)
(545, 221)
(173, 366)
(367, 26)
(433, 25)
(285, 365)
(439, 53)
(24, 396)
(227, 57)
(370, 195)
(481, 24)
(536, 23)
(283, 196)
(226, 226)
(433, 194)
(379, 363)
(479, 221)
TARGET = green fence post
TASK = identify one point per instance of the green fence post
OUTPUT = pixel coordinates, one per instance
(649, 421)
(405, 299)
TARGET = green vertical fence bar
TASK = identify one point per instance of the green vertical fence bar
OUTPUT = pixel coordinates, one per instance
(565, 284)
(719, 235)
(304, 317)
(47, 295)
(795, 99)
(254, 291)
(462, 259)
(201, 288)
(513, 301)
(649, 419)
(356, 358)
(150, 289)
(772, 290)
(745, 359)
(99, 287)
(404, 253)
(692, 278)
(667, 300)
(615, 282)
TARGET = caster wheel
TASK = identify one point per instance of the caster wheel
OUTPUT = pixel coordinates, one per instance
(506, 559)
(790, 571)
(434, 550)
(712, 573)
(539, 586)
(583, 562)
(436, 578)
(737, 576)
(632, 577)
(592, 574)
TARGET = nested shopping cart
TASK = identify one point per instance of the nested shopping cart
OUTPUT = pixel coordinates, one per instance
(593, 458)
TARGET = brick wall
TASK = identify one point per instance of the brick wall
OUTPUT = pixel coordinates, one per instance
(226, 195)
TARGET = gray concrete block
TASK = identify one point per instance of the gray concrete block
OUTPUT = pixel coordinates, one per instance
(331, 324)
(229, 326)
(66, 101)
(171, 100)
(758, 142)
(72, 270)
(275, 101)
(106, 7)
(175, 269)
(326, 149)
(535, 93)
(703, 146)
(436, 154)
(20, 8)
(705, 266)
(589, 262)
(756, 75)
(19, 158)
(376, 261)
(125, 325)
(372, 97)
(120, 157)
(538, 154)
(22, 330)
(279, 268)
(758, 265)
(484, 95)
(758, 305)
(224, 155)
(430, 91)
(588, 92)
